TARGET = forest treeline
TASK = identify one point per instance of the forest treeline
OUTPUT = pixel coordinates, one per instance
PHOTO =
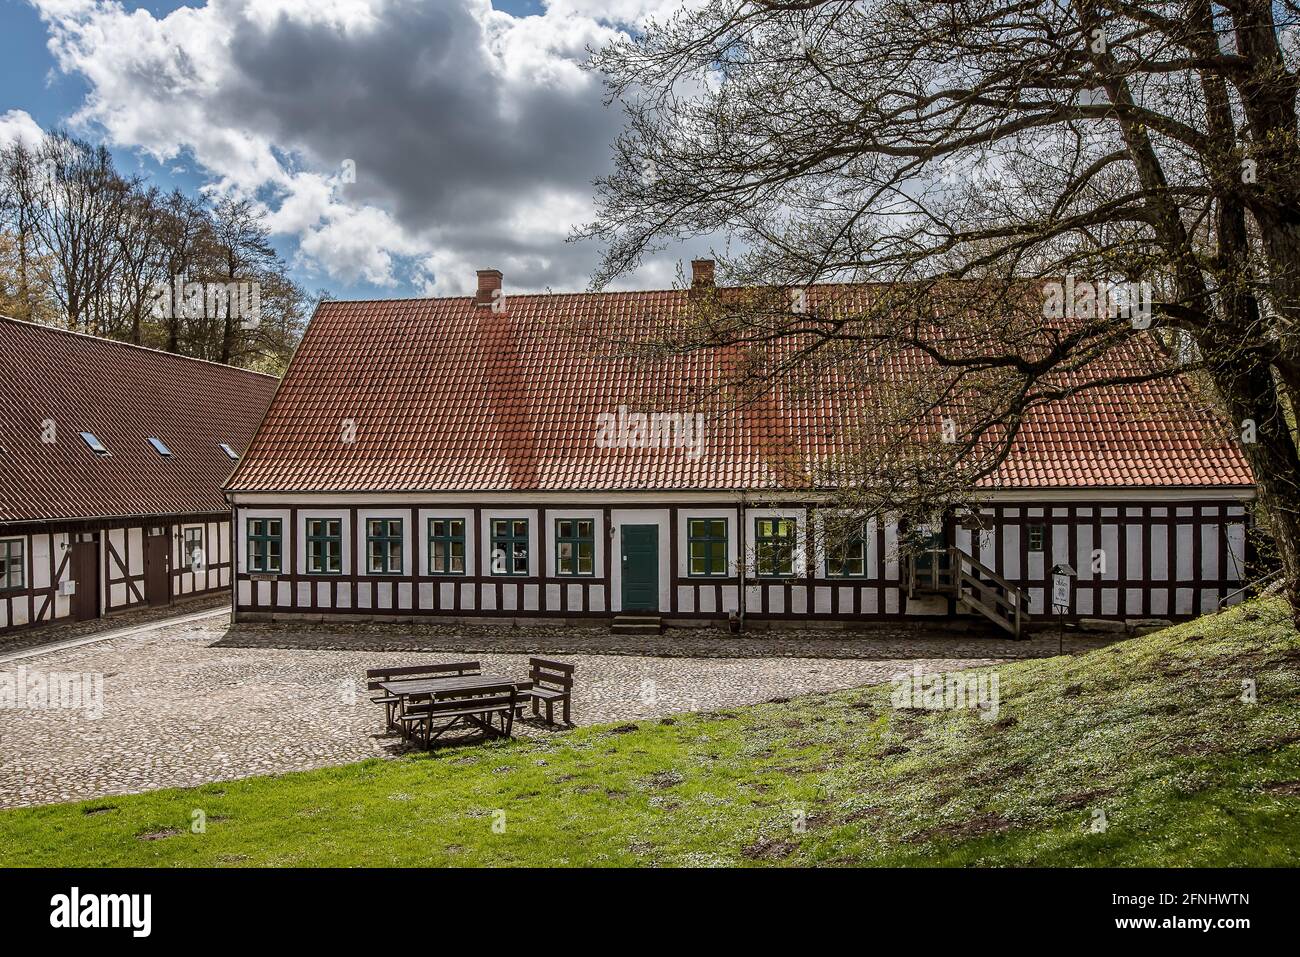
(86, 247)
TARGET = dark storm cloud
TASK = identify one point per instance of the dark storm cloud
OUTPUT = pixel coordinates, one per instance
(440, 138)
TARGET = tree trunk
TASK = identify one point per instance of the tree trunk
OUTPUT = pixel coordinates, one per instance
(1246, 383)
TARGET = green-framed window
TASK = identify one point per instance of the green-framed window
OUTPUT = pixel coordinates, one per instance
(509, 546)
(384, 546)
(1036, 535)
(264, 537)
(324, 546)
(194, 543)
(774, 540)
(446, 546)
(13, 563)
(575, 546)
(706, 546)
(846, 553)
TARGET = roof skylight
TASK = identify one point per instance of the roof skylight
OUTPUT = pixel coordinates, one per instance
(160, 448)
(96, 446)
(228, 450)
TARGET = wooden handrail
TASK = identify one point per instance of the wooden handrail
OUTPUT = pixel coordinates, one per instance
(986, 588)
(955, 554)
(1223, 602)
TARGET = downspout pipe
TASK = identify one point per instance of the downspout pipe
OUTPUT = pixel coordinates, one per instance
(742, 561)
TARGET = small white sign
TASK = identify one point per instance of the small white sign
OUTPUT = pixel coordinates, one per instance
(68, 587)
(1061, 591)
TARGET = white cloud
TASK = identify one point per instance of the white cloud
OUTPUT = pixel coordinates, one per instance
(18, 126)
(355, 244)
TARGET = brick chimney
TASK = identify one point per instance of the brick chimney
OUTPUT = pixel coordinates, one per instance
(701, 274)
(489, 281)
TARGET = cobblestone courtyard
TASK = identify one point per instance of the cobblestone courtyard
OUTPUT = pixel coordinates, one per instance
(182, 705)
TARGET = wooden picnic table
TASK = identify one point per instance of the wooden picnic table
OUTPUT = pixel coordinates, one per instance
(466, 687)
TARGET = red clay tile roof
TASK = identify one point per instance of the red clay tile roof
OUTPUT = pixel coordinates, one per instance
(445, 396)
(122, 394)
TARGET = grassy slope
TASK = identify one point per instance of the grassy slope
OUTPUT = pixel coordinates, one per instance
(1152, 731)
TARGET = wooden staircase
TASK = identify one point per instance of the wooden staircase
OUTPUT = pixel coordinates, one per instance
(975, 586)
(637, 625)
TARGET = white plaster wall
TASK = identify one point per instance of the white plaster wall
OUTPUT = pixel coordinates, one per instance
(62, 603)
(1235, 563)
(117, 538)
(39, 561)
(1110, 546)
(1210, 551)
(1183, 552)
(1160, 552)
(1011, 534)
(135, 538)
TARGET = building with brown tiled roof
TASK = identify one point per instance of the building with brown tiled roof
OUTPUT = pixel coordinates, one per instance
(112, 460)
(449, 457)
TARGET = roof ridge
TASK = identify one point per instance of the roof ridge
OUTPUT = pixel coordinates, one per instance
(607, 292)
(509, 295)
(132, 345)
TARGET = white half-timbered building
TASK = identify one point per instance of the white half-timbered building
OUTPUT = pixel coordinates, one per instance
(470, 458)
(112, 459)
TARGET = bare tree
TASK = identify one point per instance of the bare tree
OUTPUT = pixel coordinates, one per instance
(185, 231)
(955, 151)
(241, 253)
(281, 319)
(142, 257)
(71, 201)
(15, 162)
(23, 293)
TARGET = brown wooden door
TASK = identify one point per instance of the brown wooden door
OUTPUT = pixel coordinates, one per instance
(84, 565)
(157, 570)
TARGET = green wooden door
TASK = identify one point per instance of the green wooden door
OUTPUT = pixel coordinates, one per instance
(640, 567)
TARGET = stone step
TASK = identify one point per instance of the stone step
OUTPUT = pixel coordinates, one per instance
(637, 625)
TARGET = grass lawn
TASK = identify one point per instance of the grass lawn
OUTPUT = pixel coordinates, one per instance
(1152, 733)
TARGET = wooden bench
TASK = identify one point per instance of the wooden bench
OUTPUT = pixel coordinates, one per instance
(552, 682)
(499, 700)
(374, 677)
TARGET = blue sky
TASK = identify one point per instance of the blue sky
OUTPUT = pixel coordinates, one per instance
(27, 83)
(445, 108)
